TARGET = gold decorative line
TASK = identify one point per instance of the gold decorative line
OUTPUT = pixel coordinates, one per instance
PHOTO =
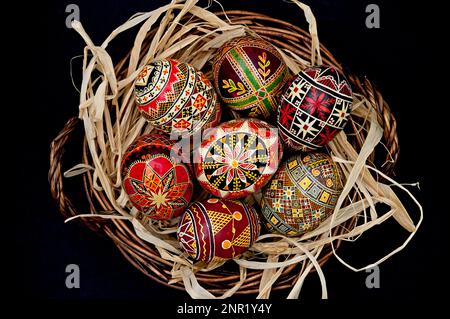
(250, 141)
(263, 65)
(231, 87)
(201, 230)
(232, 227)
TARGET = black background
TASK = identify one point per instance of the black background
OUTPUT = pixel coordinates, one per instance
(395, 57)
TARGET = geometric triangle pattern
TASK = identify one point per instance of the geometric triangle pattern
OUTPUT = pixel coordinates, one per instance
(243, 240)
(157, 185)
(217, 229)
(314, 108)
(239, 158)
(219, 220)
(175, 98)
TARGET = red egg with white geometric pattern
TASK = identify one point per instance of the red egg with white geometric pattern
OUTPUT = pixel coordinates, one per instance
(175, 98)
(238, 158)
(218, 229)
(156, 181)
(314, 108)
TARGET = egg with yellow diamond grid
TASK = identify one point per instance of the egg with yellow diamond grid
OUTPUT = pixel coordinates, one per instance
(302, 194)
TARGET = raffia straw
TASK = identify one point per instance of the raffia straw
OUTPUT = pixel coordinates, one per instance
(111, 123)
(78, 169)
(268, 278)
(316, 58)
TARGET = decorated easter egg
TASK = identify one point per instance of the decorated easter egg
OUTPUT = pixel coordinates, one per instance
(249, 74)
(217, 229)
(302, 194)
(314, 108)
(157, 183)
(238, 157)
(175, 98)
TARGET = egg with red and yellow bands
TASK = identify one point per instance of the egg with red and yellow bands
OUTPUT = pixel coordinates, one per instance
(175, 98)
(218, 229)
(249, 74)
(157, 183)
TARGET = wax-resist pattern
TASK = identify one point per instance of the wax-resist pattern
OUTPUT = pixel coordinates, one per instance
(303, 193)
(156, 182)
(217, 229)
(249, 74)
(237, 158)
(175, 98)
(314, 108)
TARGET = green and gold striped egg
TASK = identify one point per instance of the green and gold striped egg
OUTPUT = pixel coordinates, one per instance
(249, 75)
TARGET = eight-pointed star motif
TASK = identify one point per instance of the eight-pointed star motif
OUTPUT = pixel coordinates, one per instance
(307, 127)
(234, 163)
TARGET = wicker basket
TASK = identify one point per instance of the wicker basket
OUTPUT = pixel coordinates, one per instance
(143, 255)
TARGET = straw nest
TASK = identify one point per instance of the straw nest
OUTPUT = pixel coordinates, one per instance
(186, 32)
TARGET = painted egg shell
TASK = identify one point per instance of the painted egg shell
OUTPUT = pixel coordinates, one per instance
(302, 194)
(238, 158)
(217, 229)
(314, 108)
(157, 183)
(175, 98)
(249, 74)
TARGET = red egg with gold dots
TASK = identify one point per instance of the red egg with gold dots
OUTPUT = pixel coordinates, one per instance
(217, 229)
(314, 108)
(175, 98)
(238, 158)
(157, 183)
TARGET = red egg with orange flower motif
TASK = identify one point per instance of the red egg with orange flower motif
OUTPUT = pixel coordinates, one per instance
(157, 183)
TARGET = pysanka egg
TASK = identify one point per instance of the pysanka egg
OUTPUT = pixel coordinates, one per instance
(314, 108)
(217, 229)
(175, 98)
(302, 194)
(157, 183)
(238, 158)
(249, 74)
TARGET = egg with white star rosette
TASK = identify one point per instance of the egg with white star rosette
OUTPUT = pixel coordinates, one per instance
(238, 158)
(314, 107)
(157, 183)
